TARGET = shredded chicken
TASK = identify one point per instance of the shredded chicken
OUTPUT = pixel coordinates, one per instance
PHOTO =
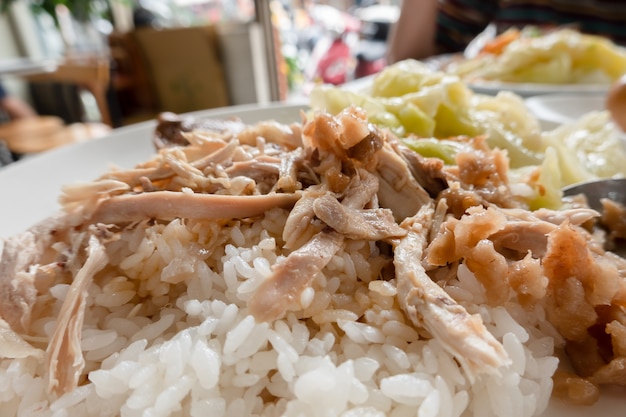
(546, 257)
(295, 273)
(13, 346)
(64, 357)
(614, 220)
(428, 305)
(167, 205)
(399, 190)
(17, 287)
(373, 224)
(343, 149)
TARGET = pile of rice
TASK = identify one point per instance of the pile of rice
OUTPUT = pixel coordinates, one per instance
(195, 351)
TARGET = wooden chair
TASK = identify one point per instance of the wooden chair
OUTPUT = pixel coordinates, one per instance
(36, 134)
(183, 67)
(91, 73)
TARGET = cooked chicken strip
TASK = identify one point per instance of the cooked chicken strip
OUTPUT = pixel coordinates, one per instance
(362, 191)
(300, 225)
(429, 306)
(288, 136)
(84, 197)
(219, 156)
(133, 177)
(288, 172)
(64, 359)
(171, 128)
(374, 224)
(292, 275)
(167, 205)
(521, 237)
(17, 293)
(427, 171)
(260, 171)
(576, 216)
(399, 191)
(17, 289)
(614, 218)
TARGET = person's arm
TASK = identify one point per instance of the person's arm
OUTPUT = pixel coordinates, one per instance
(413, 35)
(15, 108)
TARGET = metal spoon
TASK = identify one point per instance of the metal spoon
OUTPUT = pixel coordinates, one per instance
(595, 191)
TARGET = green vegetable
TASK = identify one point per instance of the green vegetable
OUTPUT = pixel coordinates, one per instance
(548, 185)
(453, 122)
(434, 148)
(413, 119)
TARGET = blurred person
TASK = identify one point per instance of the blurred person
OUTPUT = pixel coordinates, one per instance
(144, 18)
(432, 27)
(14, 107)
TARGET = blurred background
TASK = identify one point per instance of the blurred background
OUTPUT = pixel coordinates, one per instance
(121, 61)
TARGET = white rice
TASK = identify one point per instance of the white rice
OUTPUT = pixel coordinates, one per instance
(167, 333)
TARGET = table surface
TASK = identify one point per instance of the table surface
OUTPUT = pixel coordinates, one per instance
(26, 66)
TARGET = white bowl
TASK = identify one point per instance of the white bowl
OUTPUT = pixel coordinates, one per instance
(553, 110)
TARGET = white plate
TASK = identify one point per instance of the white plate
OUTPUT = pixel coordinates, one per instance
(30, 188)
(533, 89)
(553, 110)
